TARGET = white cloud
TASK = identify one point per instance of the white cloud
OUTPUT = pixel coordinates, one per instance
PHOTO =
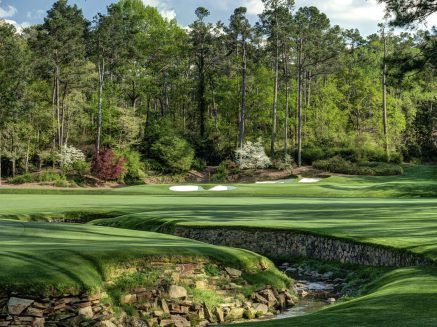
(18, 26)
(168, 13)
(254, 7)
(8, 11)
(164, 8)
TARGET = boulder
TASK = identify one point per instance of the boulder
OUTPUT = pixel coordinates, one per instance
(38, 322)
(34, 312)
(16, 305)
(331, 300)
(269, 296)
(249, 313)
(234, 273)
(166, 323)
(207, 313)
(201, 284)
(128, 299)
(180, 321)
(235, 313)
(177, 292)
(106, 323)
(258, 298)
(86, 312)
(152, 322)
(164, 306)
(261, 308)
(219, 315)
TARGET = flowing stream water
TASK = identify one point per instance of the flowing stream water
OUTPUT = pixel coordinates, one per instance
(315, 291)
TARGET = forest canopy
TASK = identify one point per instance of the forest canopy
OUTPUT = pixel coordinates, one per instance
(132, 91)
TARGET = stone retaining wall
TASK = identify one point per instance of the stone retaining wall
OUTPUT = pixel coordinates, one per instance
(284, 243)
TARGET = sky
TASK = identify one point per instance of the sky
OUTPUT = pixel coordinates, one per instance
(362, 14)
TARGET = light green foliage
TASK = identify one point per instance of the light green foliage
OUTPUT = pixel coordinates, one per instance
(134, 168)
(339, 165)
(174, 153)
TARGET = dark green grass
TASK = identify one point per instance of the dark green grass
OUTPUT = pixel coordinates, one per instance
(59, 258)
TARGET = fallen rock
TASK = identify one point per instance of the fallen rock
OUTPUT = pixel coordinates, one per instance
(234, 273)
(128, 299)
(166, 323)
(258, 298)
(86, 312)
(38, 322)
(219, 315)
(33, 312)
(249, 313)
(235, 313)
(152, 322)
(200, 284)
(331, 300)
(177, 292)
(16, 305)
(180, 321)
(164, 306)
(207, 313)
(261, 308)
(106, 323)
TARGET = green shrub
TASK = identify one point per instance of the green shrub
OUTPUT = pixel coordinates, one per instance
(80, 168)
(21, 179)
(49, 176)
(221, 174)
(199, 164)
(340, 165)
(134, 168)
(311, 154)
(175, 154)
(62, 183)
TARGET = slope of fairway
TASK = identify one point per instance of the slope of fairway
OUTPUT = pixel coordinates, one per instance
(41, 257)
(398, 212)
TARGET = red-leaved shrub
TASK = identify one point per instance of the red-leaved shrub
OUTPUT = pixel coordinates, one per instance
(108, 166)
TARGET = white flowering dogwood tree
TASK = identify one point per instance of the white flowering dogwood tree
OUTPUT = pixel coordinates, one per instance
(252, 155)
(69, 155)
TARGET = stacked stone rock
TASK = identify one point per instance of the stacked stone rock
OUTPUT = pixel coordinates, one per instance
(163, 305)
(282, 243)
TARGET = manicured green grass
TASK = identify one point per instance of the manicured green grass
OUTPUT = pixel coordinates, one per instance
(399, 212)
(59, 258)
(418, 181)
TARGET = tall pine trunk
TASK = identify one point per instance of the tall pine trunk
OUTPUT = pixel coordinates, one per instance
(58, 108)
(243, 95)
(384, 98)
(99, 113)
(299, 106)
(275, 99)
(287, 93)
(201, 96)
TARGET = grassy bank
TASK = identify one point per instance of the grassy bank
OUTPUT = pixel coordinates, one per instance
(55, 259)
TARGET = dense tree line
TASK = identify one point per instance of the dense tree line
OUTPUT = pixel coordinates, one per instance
(154, 92)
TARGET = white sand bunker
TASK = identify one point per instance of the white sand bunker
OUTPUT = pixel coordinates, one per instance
(186, 188)
(279, 181)
(222, 188)
(309, 180)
